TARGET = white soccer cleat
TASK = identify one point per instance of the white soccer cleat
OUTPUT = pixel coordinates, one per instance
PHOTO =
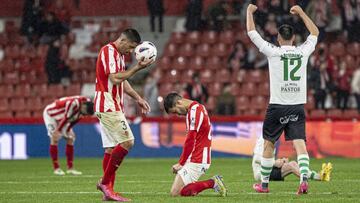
(73, 172)
(219, 185)
(59, 172)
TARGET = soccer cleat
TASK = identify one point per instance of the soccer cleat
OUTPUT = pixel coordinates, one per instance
(73, 172)
(59, 172)
(219, 185)
(327, 172)
(258, 188)
(116, 197)
(303, 188)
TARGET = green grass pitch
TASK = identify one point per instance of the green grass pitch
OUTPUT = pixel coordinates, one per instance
(149, 180)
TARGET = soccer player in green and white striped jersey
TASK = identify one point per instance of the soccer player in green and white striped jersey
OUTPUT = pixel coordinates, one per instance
(285, 113)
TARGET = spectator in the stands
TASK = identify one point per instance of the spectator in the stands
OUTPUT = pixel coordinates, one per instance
(193, 15)
(151, 93)
(51, 29)
(355, 86)
(31, 19)
(62, 12)
(156, 10)
(225, 102)
(319, 83)
(343, 79)
(238, 57)
(319, 11)
(351, 19)
(56, 69)
(217, 13)
(197, 91)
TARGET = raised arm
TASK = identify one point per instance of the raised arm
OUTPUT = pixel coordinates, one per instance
(297, 10)
(250, 25)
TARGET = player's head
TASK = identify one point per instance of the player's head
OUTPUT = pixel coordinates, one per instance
(286, 35)
(87, 108)
(173, 103)
(128, 40)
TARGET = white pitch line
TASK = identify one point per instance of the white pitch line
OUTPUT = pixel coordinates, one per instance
(66, 182)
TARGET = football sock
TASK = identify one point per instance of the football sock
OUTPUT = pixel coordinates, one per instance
(193, 189)
(266, 168)
(105, 163)
(54, 155)
(314, 175)
(303, 161)
(116, 158)
(69, 152)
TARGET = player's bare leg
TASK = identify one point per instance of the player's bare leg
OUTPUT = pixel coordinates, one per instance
(177, 185)
(117, 155)
(267, 163)
(303, 161)
(69, 152)
(54, 141)
(290, 168)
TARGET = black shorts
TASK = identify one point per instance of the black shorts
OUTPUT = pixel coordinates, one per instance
(284, 118)
(275, 174)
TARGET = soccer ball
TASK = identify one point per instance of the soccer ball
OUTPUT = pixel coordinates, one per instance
(147, 50)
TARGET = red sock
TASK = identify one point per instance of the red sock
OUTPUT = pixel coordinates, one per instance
(54, 155)
(193, 189)
(105, 164)
(69, 152)
(116, 158)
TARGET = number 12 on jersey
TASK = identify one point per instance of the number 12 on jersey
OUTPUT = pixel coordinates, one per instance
(293, 62)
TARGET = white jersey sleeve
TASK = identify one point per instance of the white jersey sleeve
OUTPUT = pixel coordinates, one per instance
(264, 47)
(309, 45)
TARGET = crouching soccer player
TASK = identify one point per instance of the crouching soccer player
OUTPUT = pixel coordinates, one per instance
(282, 167)
(59, 117)
(196, 156)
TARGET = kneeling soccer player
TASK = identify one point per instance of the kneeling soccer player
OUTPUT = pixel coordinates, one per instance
(196, 156)
(282, 167)
(59, 117)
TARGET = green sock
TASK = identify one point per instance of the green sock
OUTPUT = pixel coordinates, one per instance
(303, 161)
(314, 175)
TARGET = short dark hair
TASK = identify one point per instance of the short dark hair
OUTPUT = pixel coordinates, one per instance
(286, 31)
(132, 34)
(170, 101)
(89, 107)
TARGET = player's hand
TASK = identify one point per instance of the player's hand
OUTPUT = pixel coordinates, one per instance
(296, 10)
(285, 160)
(144, 63)
(176, 168)
(251, 8)
(144, 105)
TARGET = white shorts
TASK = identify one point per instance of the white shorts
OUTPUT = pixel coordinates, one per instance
(114, 128)
(191, 172)
(256, 166)
(51, 124)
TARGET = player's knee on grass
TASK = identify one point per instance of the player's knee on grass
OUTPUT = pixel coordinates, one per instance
(127, 144)
(174, 192)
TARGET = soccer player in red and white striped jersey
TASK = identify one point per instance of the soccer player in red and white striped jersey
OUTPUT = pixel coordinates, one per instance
(59, 117)
(111, 84)
(196, 156)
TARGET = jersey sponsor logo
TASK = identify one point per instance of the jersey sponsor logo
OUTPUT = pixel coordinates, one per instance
(290, 118)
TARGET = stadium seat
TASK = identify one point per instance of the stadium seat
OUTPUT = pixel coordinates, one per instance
(248, 89)
(243, 103)
(264, 89)
(171, 50)
(227, 37)
(209, 37)
(334, 114)
(203, 50)
(197, 63)
(187, 75)
(4, 105)
(310, 104)
(73, 89)
(171, 76)
(7, 65)
(255, 76)
(222, 75)
(40, 90)
(215, 89)
(193, 37)
(180, 63)
(235, 89)
(23, 90)
(214, 63)
(317, 114)
(34, 104)
(251, 112)
(22, 114)
(17, 104)
(351, 114)
(165, 89)
(6, 114)
(177, 37)
(220, 50)
(11, 78)
(258, 102)
(211, 104)
(207, 76)
(187, 50)
(238, 76)
(337, 49)
(164, 63)
(350, 62)
(7, 91)
(37, 114)
(353, 48)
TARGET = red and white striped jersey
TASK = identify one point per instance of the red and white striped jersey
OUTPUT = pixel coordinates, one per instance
(197, 147)
(66, 111)
(108, 96)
